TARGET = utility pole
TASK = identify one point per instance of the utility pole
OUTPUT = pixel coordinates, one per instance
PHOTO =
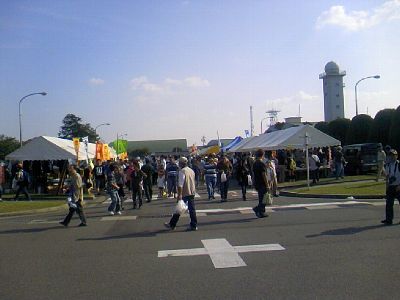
(251, 121)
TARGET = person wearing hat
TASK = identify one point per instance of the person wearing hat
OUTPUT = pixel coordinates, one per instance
(392, 172)
(186, 192)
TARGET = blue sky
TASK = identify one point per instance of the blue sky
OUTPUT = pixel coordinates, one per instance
(184, 69)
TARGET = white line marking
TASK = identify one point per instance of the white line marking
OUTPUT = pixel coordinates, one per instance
(197, 195)
(44, 222)
(322, 207)
(222, 254)
(118, 218)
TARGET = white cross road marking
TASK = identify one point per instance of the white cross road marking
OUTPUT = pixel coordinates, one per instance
(118, 218)
(222, 254)
(197, 195)
(198, 214)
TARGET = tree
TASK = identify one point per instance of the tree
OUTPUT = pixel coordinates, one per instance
(379, 132)
(394, 132)
(359, 129)
(139, 152)
(7, 145)
(73, 126)
(338, 129)
(322, 126)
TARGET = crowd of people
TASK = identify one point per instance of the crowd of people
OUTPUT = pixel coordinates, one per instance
(263, 171)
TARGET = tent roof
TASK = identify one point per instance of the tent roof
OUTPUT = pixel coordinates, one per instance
(50, 148)
(234, 142)
(242, 143)
(293, 138)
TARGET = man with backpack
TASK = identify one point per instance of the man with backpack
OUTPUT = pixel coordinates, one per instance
(22, 180)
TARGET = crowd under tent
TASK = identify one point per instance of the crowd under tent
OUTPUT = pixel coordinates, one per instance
(292, 138)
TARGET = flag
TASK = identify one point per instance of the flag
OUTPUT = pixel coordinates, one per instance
(106, 152)
(99, 151)
(247, 133)
(120, 146)
(77, 144)
(85, 141)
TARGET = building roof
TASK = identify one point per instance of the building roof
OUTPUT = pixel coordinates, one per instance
(224, 142)
(158, 146)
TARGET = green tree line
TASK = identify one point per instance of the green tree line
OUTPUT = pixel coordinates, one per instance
(384, 128)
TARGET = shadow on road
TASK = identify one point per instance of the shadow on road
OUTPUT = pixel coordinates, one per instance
(155, 233)
(30, 230)
(345, 231)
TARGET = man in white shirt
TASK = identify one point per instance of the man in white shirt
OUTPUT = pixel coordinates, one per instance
(186, 192)
(392, 185)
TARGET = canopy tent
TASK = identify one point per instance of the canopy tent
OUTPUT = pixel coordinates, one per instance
(291, 138)
(51, 148)
(234, 142)
(210, 150)
(242, 143)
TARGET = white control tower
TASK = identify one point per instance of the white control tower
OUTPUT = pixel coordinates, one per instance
(333, 91)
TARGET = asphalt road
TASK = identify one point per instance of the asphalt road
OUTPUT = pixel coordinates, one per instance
(331, 251)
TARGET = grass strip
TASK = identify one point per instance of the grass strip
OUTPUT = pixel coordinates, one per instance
(346, 188)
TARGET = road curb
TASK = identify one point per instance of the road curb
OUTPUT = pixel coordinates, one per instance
(359, 197)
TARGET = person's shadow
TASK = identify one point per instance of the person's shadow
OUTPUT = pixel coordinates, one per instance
(345, 231)
(30, 230)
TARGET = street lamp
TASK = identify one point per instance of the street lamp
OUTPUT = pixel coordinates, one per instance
(103, 124)
(355, 88)
(19, 111)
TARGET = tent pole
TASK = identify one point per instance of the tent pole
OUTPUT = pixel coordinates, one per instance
(307, 164)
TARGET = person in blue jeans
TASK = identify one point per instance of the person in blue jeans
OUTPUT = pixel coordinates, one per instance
(112, 189)
(210, 175)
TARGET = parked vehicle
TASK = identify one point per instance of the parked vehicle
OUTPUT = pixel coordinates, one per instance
(361, 158)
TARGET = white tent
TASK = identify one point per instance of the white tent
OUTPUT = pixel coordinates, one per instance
(51, 148)
(291, 138)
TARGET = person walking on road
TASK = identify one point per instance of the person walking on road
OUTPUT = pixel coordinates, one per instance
(148, 180)
(210, 175)
(260, 183)
(242, 175)
(137, 176)
(224, 168)
(22, 180)
(392, 172)
(186, 192)
(112, 189)
(75, 192)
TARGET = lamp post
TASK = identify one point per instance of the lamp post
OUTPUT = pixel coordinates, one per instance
(103, 124)
(355, 88)
(19, 111)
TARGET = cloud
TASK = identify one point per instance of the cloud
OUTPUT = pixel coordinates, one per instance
(96, 81)
(169, 85)
(298, 98)
(359, 20)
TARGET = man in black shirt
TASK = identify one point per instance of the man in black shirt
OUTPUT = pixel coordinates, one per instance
(148, 180)
(99, 175)
(260, 183)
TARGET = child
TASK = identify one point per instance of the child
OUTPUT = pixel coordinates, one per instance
(161, 182)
